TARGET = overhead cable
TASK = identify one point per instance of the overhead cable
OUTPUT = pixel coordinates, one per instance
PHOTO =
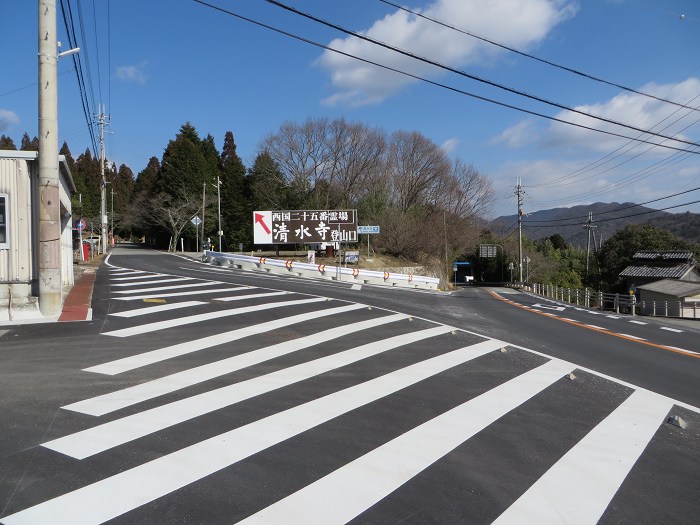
(538, 59)
(470, 76)
(434, 83)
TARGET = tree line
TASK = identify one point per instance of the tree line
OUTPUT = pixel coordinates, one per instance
(430, 209)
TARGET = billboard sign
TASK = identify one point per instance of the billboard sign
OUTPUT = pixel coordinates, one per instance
(304, 226)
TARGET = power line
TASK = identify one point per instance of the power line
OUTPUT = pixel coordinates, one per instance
(533, 57)
(470, 76)
(434, 83)
(67, 14)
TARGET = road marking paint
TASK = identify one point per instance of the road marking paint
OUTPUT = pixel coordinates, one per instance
(135, 277)
(638, 322)
(568, 319)
(191, 319)
(169, 352)
(156, 281)
(176, 294)
(613, 317)
(250, 296)
(172, 287)
(97, 439)
(676, 330)
(633, 337)
(596, 327)
(581, 484)
(603, 331)
(100, 405)
(348, 491)
(130, 489)
(684, 350)
(156, 309)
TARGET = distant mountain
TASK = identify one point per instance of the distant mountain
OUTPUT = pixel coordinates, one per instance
(607, 217)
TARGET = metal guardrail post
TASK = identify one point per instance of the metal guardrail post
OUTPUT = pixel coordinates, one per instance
(634, 306)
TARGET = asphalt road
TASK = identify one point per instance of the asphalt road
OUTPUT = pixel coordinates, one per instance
(201, 394)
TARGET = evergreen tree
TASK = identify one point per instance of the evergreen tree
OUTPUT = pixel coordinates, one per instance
(236, 210)
(267, 185)
(29, 144)
(6, 143)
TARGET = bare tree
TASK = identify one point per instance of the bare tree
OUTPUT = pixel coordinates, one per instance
(172, 213)
(416, 167)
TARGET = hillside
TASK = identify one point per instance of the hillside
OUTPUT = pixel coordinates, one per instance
(569, 222)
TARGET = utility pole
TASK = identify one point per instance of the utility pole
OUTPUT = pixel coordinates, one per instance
(48, 253)
(218, 196)
(101, 121)
(519, 192)
(111, 215)
(204, 197)
(589, 226)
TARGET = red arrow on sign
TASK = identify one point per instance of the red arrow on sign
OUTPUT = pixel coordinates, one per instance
(259, 218)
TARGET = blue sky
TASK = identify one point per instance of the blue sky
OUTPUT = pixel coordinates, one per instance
(158, 64)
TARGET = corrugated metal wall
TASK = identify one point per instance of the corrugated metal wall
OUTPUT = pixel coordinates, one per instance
(16, 262)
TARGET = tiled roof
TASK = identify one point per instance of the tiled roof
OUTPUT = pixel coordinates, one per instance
(660, 272)
(673, 287)
(671, 255)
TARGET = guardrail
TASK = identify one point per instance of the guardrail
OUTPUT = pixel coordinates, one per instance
(328, 272)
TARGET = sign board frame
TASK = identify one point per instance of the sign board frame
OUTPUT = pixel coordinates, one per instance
(304, 226)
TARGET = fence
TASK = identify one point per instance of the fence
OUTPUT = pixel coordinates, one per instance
(619, 303)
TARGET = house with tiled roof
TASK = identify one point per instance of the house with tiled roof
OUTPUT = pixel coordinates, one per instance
(650, 266)
(664, 282)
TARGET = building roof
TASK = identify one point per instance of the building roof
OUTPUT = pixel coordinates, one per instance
(668, 255)
(658, 272)
(673, 287)
(33, 155)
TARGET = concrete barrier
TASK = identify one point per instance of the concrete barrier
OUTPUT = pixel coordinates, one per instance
(322, 271)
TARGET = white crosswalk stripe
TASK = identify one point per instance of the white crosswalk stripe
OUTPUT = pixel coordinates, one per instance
(180, 321)
(294, 365)
(171, 287)
(155, 281)
(104, 404)
(580, 486)
(156, 309)
(342, 495)
(130, 363)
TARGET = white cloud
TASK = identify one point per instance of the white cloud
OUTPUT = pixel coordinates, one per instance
(7, 119)
(635, 110)
(132, 73)
(449, 145)
(516, 136)
(518, 23)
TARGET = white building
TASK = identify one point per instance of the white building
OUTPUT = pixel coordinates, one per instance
(19, 233)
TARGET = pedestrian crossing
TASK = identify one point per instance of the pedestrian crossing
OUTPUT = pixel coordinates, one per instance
(325, 411)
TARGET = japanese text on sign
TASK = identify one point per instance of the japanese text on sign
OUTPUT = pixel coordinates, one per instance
(304, 226)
